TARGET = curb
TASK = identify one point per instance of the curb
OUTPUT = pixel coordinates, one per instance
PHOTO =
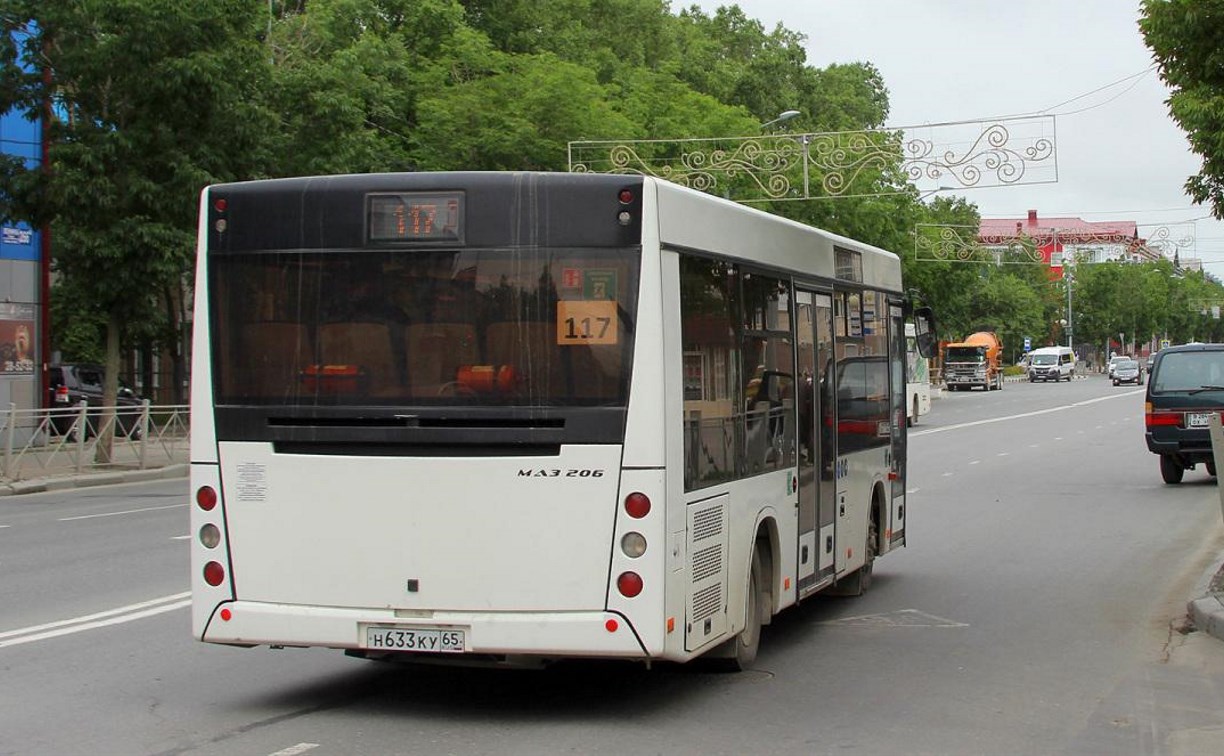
(1207, 611)
(66, 482)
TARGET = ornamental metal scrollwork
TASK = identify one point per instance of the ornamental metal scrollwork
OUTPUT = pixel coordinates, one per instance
(940, 243)
(991, 150)
(837, 164)
(1171, 240)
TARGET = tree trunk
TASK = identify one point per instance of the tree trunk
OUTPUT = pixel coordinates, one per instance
(104, 452)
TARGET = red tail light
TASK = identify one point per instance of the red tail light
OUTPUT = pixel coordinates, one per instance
(214, 573)
(629, 584)
(637, 505)
(206, 497)
(61, 395)
(1154, 419)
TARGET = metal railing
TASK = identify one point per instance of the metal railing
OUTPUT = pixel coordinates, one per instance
(64, 441)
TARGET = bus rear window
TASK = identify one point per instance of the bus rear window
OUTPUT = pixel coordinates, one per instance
(540, 327)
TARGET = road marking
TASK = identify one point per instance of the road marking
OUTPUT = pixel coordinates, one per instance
(115, 514)
(976, 462)
(180, 538)
(295, 750)
(1003, 454)
(107, 618)
(900, 618)
(1034, 413)
(948, 474)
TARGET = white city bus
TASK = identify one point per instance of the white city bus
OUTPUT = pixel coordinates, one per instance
(518, 417)
(917, 377)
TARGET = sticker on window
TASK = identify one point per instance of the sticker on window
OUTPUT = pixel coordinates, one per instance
(586, 322)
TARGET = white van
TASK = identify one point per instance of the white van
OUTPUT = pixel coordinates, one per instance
(1051, 364)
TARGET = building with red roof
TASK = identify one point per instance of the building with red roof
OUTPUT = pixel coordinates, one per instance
(1060, 237)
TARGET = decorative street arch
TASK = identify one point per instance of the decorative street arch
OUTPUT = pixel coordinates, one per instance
(773, 167)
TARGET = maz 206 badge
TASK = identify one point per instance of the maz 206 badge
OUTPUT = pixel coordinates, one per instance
(560, 473)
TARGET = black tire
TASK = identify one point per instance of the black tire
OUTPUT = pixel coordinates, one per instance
(738, 654)
(1170, 470)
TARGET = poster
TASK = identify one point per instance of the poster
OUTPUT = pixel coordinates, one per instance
(16, 339)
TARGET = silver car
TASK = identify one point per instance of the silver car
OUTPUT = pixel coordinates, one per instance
(1127, 371)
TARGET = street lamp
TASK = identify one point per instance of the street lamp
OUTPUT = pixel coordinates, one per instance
(1070, 279)
(785, 115)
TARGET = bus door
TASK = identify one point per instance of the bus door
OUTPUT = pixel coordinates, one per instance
(898, 358)
(817, 438)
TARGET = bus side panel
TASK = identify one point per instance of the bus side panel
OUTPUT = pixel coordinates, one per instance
(861, 473)
(203, 433)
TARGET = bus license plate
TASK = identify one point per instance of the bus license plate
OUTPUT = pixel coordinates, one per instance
(414, 639)
(1198, 419)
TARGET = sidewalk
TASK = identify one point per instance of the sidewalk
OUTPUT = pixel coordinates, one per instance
(1207, 611)
(68, 479)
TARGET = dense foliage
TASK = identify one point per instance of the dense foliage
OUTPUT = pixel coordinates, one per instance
(1186, 37)
(151, 101)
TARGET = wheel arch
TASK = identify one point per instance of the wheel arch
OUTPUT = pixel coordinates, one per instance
(767, 542)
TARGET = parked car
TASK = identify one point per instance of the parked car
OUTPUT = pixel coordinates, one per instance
(1127, 371)
(1185, 388)
(69, 384)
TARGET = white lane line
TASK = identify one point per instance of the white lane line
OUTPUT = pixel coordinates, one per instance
(106, 618)
(948, 474)
(1034, 413)
(180, 538)
(976, 462)
(116, 514)
(2, 527)
(1003, 454)
(300, 748)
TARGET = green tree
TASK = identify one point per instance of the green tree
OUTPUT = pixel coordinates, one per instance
(152, 101)
(1186, 37)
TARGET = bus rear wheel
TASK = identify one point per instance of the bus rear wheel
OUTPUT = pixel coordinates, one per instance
(737, 654)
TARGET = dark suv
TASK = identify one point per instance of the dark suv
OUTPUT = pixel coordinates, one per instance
(70, 384)
(1185, 388)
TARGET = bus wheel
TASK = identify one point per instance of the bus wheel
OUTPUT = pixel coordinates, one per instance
(737, 654)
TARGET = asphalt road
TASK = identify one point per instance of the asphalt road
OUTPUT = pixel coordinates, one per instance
(1035, 611)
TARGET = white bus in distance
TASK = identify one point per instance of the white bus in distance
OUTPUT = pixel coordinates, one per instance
(519, 417)
(917, 378)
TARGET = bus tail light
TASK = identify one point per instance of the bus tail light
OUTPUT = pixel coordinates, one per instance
(214, 574)
(210, 536)
(206, 498)
(629, 584)
(633, 545)
(637, 505)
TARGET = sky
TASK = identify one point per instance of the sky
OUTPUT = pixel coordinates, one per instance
(1120, 156)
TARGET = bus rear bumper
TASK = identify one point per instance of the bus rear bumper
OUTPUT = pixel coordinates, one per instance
(597, 634)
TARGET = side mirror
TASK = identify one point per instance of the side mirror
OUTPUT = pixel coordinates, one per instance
(924, 331)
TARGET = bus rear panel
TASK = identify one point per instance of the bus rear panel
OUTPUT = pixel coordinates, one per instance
(418, 384)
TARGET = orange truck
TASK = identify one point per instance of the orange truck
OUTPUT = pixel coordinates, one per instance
(976, 361)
